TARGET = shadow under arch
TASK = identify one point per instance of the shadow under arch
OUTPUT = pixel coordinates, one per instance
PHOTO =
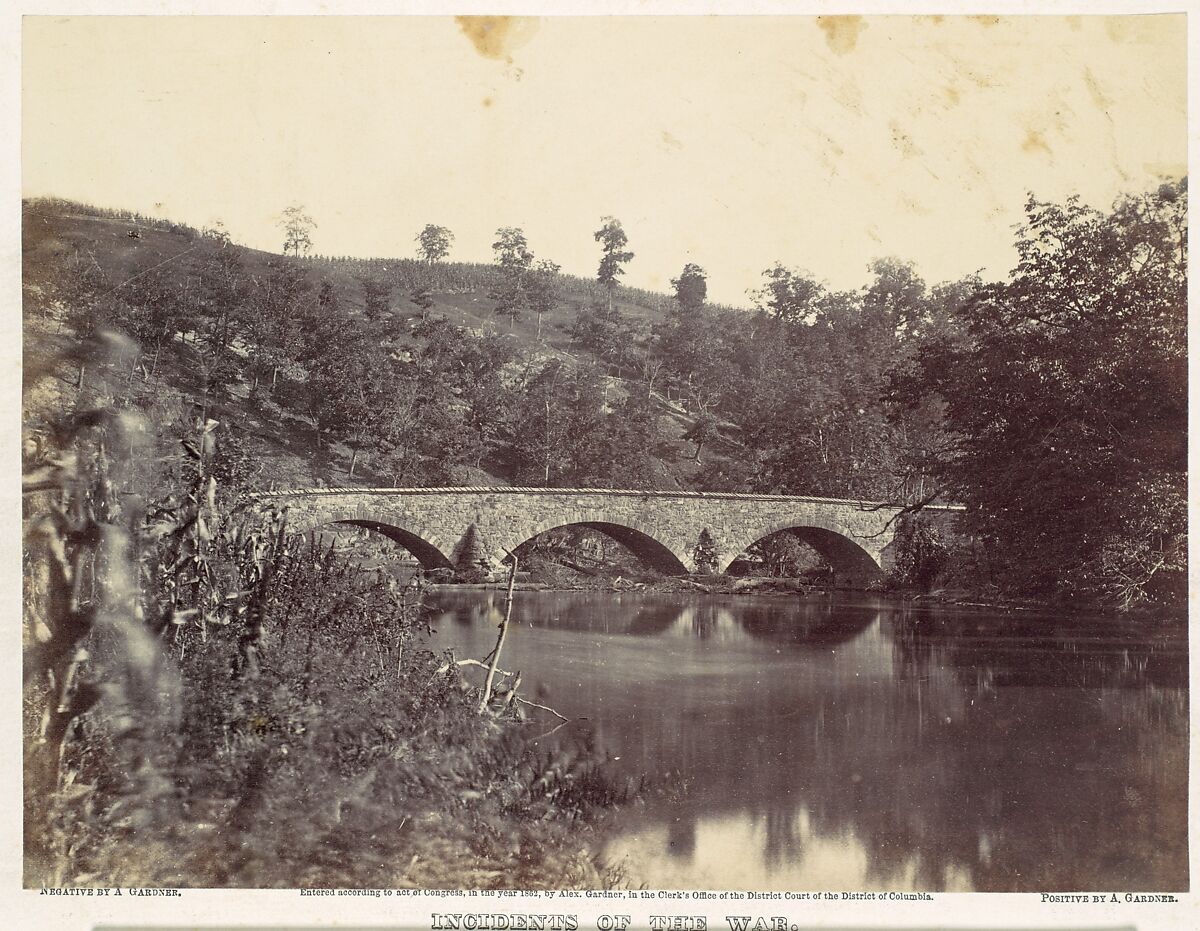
(653, 553)
(428, 553)
(850, 562)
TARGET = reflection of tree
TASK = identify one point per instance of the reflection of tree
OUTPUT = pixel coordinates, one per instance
(1035, 650)
(681, 838)
(1049, 784)
(1006, 753)
(704, 620)
(1008, 785)
(784, 843)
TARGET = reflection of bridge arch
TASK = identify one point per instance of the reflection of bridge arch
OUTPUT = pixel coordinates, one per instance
(832, 541)
(816, 625)
(426, 547)
(639, 538)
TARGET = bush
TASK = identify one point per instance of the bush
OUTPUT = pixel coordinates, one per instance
(705, 554)
(262, 711)
(921, 554)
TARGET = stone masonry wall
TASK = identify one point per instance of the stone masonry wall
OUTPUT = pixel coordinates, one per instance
(665, 526)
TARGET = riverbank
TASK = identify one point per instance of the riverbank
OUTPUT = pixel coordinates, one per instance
(327, 745)
(710, 586)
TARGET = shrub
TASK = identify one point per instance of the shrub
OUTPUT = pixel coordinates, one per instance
(211, 701)
(705, 554)
(921, 554)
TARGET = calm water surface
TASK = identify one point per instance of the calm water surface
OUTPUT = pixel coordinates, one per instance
(856, 743)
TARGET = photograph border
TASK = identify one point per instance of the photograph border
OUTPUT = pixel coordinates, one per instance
(277, 909)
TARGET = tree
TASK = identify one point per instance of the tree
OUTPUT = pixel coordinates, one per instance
(221, 318)
(280, 301)
(297, 229)
(154, 313)
(553, 424)
(700, 432)
(543, 290)
(614, 256)
(514, 259)
(705, 553)
(782, 555)
(920, 553)
(1066, 407)
(422, 297)
(434, 242)
(376, 298)
(325, 326)
(605, 333)
(85, 293)
(625, 455)
(789, 296)
(691, 289)
(511, 250)
(897, 298)
(465, 368)
(692, 343)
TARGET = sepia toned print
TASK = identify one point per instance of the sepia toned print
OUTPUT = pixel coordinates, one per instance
(684, 453)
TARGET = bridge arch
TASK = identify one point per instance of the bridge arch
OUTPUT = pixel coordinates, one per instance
(849, 558)
(641, 540)
(426, 547)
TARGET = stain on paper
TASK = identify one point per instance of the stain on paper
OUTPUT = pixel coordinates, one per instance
(903, 141)
(1101, 100)
(1035, 142)
(496, 37)
(841, 32)
(912, 205)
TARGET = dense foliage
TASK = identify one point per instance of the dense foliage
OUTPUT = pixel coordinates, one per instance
(1065, 401)
(1052, 404)
(213, 702)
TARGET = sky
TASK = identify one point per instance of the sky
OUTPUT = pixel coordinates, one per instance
(731, 142)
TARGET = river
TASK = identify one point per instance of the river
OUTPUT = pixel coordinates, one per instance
(856, 743)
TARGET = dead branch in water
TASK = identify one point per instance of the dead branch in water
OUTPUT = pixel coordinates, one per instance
(533, 704)
(445, 667)
(508, 601)
(491, 663)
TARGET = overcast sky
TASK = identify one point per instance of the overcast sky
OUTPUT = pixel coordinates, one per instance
(730, 142)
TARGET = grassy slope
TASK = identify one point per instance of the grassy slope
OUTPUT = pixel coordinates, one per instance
(282, 443)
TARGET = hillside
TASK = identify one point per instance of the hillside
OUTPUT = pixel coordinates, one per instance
(120, 251)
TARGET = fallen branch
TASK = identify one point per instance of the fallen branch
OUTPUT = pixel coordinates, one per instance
(533, 704)
(551, 732)
(469, 662)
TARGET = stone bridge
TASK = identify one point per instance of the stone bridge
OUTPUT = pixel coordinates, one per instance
(450, 527)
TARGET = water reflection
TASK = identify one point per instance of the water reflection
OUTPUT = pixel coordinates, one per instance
(832, 743)
(815, 623)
